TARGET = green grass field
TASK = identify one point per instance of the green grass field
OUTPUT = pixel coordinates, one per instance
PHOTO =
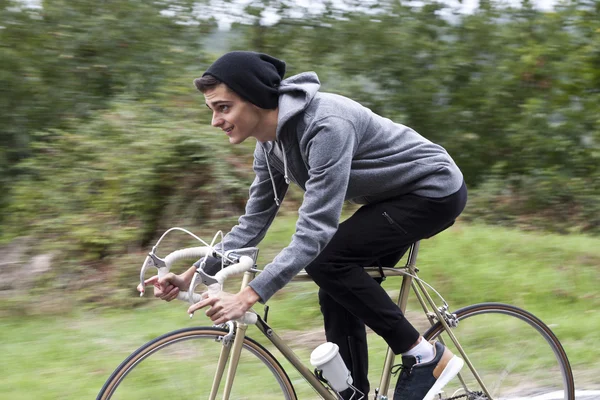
(554, 277)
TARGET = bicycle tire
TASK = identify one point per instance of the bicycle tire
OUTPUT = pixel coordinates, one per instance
(515, 367)
(146, 373)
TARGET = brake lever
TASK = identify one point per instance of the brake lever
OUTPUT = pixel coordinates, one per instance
(200, 277)
(158, 262)
(152, 260)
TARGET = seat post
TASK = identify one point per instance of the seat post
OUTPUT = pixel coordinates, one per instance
(411, 263)
(402, 302)
(407, 280)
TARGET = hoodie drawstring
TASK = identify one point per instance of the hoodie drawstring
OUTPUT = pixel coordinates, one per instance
(285, 168)
(285, 171)
(271, 176)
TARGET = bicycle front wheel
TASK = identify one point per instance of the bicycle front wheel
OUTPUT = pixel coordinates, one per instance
(516, 355)
(182, 365)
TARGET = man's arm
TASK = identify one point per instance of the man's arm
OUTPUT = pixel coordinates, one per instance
(260, 208)
(330, 150)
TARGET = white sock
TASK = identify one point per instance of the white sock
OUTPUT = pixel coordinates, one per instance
(423, 352)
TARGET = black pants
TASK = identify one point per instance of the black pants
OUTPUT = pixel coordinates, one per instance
(377, 234)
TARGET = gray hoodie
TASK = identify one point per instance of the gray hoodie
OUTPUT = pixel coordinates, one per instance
(335, 150)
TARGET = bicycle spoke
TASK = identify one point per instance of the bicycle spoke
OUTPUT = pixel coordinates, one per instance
(514, 358)
(185, 368)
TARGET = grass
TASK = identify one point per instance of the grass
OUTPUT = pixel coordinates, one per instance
(555, 277)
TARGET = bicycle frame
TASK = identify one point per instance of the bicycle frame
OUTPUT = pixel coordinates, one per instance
(408, 272)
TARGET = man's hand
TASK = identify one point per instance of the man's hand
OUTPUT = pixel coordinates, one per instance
(226, 306)
(168, 287)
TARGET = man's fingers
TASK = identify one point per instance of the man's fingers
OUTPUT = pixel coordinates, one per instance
(173, 294)
(166, 292)
(201, 304)
(170, 279)
(219, 319)
(213, 311)
(149, 281)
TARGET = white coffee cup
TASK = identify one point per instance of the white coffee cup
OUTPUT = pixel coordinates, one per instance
(327, 358)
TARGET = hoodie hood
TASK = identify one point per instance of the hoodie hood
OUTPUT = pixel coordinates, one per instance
(295, 94)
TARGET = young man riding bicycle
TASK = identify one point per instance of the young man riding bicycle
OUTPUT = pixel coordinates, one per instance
(335, 150)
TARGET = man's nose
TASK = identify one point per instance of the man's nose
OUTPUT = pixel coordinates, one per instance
(216, 120)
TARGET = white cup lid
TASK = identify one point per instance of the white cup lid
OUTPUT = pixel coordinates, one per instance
(323, 354)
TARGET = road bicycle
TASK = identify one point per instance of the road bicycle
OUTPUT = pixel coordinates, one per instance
(508, 352)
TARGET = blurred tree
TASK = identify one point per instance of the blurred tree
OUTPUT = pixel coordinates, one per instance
(64, 59)
(512, 93)
(120, 177)
(508, 91)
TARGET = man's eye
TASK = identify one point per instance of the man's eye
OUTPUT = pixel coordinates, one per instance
(224, 108)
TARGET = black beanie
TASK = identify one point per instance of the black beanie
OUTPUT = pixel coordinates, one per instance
(253, 76)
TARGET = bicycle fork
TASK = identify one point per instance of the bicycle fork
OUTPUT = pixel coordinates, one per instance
(230, 352)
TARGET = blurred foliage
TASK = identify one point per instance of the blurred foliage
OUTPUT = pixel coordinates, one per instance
(512, 93)
(65, 59)
(121, 177)
(103, 143)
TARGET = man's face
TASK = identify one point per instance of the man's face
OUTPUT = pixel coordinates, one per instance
(239, 119)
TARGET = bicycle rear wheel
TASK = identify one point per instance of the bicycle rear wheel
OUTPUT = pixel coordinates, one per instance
(516, 355)
(182, 365)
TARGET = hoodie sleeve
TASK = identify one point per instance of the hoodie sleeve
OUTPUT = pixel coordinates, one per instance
(329, 146)
(260, 208)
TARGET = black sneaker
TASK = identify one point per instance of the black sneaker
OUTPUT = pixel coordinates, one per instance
(423, 381)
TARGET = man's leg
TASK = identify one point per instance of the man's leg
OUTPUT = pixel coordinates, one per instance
(348, 332)
(374, 232)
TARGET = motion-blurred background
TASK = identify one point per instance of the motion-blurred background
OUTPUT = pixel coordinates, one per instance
(105, 143)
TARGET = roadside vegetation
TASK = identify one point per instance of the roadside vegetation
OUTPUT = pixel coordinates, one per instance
(70, 355)
(104, 144)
